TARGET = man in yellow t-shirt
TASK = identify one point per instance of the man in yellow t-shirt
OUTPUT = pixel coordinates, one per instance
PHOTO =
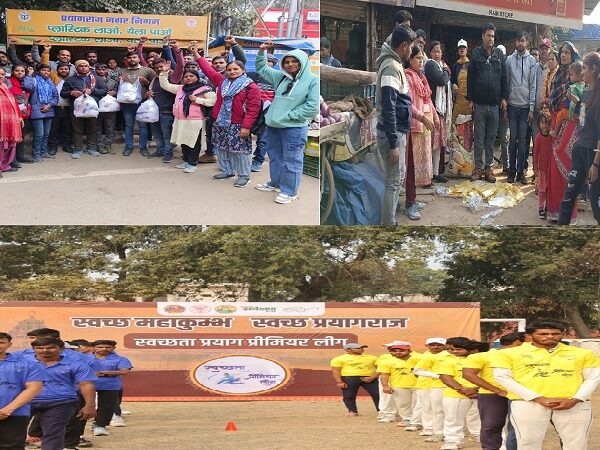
(398, 381)
(492, 400)
(387, 405)
(429, 398)
(548, 381)
(353, 370)
(460, 395)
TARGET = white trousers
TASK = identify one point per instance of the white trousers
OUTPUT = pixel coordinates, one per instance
(456, 412)
(387, 405)
(530, 420)
(424, 406)
(437, 410)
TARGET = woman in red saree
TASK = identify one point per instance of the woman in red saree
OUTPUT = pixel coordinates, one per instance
(559, 165)
(11, 124)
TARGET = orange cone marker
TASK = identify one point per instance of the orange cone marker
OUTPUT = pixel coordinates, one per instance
(230, 427)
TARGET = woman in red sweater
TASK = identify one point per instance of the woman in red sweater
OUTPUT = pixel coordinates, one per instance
(237, 108)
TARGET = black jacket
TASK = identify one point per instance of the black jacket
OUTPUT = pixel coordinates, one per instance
(78, 84)
(436, 77)
(486, 77)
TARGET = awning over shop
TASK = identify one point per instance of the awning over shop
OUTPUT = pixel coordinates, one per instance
(562, 13)
(69, 28)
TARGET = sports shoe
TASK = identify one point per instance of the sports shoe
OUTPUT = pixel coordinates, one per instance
(414, 428)
(222, 176)
(127, 152)
(521, 178)
(284, 198)
(256, 166)
(124, 412)
(117, 421)
(435, 438)
(101, 431)
(144, 152)
(403, 423)
(420, 205)
(511, 177)
(412, 212)
(167, 159)
(425, 433)
(266, 187)
(189, 169)
(183, 165)
(477, 175)
(38, 159)
(103, 150)
(47, 156)
(156, 155)
(84, 443)
(242, 182)
(384, 420)
(76, 154)
(489, 175)
(92, 152)
(206, 159)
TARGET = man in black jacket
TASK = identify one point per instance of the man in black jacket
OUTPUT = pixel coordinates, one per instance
(83, 82)
(487, 92)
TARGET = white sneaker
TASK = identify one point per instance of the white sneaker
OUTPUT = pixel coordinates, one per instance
(435, 438)
(117, 421)
(413, 428)
(404, 423)
(266, 187)
(284, 198)
(183, 165)
(101, 431)
(426, 433)
(124, 412)
(189, 169)
(384, 420)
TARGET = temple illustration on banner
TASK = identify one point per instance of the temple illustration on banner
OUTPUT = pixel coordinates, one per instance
(19, 332)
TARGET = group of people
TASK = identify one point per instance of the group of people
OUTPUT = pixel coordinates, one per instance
(49, 391)
(506, 397)
(549, 98)
(211, 104)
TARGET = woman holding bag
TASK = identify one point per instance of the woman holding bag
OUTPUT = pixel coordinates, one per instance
(190, 98)
(44, 98)
(236, 109)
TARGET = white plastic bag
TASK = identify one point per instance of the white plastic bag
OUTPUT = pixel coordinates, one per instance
(129, 93)
(147, 112)
(85, 106)
(108, 104)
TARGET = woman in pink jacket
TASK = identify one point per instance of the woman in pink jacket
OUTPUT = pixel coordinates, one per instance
(237, 108)
(189, 122)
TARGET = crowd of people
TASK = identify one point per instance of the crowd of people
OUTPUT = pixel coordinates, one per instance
(546, 97)
(183, 98)
(48, 392)
(505, 397)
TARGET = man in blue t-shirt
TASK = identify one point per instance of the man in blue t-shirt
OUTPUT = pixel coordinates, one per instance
(20, 382)
(109, 382)
(58, 400)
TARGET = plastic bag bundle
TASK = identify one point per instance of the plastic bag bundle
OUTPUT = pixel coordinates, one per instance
(129, 92)
(108, 104)
(147, 112)
(85, 106)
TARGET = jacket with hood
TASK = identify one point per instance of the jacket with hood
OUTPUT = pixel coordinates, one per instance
(521, 74)
(300, 105)
(392, 96)
(486, 77)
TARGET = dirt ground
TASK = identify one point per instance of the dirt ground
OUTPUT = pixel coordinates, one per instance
(276, 425)
(452, 211)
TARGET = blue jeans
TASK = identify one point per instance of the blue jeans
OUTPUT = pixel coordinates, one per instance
(53, 421)
(286, 154)
(41, 131)
(261, 146)
(161, 131)
(503, 137)
(394, 174)
(129, 110)
(485, 121)
(518, 148)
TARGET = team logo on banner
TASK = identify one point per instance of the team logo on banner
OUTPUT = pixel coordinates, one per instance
(239, 374)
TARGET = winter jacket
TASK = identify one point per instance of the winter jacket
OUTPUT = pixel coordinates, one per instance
(81, 84)
(521, 74)
(486, 77)
(246, 103)
(163, 98)
(392, 96)
(36, 105)
(300, 105)
(436, 77)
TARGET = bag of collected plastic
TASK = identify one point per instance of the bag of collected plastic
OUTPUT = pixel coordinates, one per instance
(85, 106)
(129, 92)
(147, 112)
(108, 104)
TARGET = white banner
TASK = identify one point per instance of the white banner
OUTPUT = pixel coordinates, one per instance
(256, 309)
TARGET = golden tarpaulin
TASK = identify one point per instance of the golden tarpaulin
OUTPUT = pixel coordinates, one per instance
(68, 28)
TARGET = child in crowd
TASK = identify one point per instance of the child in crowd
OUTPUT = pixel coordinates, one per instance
(542, 149)
(574, 95)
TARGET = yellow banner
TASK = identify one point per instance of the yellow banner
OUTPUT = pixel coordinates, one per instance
(103, 29)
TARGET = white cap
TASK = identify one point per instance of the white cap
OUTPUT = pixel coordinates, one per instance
(462, 43)
(502, 48)
(352, 346)
(397, 343)
(435, 340)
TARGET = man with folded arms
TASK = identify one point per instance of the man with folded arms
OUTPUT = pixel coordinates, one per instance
(353, 370)
(548, 382)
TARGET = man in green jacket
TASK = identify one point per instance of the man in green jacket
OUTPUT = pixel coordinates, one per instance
(295, 104)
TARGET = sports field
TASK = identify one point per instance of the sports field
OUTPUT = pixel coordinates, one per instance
(292, 425)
